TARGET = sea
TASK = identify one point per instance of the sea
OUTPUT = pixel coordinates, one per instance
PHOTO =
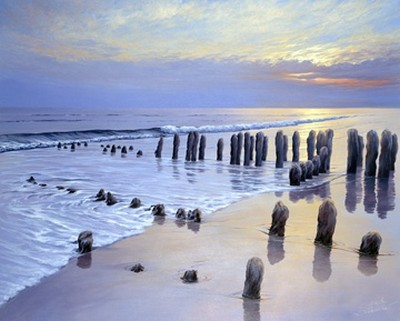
(41, 220)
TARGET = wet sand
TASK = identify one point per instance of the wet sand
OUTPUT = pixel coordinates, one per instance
(301, 281)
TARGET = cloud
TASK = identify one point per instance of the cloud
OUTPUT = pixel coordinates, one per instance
(324, 32)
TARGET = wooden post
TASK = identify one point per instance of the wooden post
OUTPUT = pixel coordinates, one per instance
(372, 153)
(259, 142)
(159, 147)
(296, 146)
(220, 149)
(202, 147)
(247, 146)
(310, 145)
(234, 147)
(279, 149)
(176, 146)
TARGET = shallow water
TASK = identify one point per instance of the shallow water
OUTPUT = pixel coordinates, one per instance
(39, 224)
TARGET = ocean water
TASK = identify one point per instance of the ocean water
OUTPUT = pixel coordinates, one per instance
(39, 223)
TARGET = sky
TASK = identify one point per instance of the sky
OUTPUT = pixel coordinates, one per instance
(246, 53)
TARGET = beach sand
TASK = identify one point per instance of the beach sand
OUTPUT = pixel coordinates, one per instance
(301, 281)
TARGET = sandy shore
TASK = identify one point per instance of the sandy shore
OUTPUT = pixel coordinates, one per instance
(301, 281)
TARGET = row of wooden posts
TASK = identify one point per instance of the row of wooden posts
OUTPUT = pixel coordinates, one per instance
(387, 157)
(251, 144)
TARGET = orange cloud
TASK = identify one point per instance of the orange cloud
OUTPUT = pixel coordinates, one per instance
(312, 78)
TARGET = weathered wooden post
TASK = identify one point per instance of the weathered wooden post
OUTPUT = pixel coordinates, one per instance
(352, 150)
(280, 214)
(285, 147)
(247, 146)
(176, 146)
(220, 149)
(259, 142)
(202, 147)
(264, 149)
(360, 151)
(329, 144)
(385, 155)
(311, 144)
(316, 161)
(320, 141)
(279, 149)
(234, 148)
(296, 146)
(194, 147)
(189, 146)
(251, 148)
(323, 157)
(395, 148)
(159, 147)
(326, 223)
(239, 148)
(372, 153)
(254, 277)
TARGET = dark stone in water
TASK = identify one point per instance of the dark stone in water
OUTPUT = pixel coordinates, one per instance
(190, 276)
(101, 195)
(130, 148)
(59, 145)
(71, 190)
(85, 241)
(124, 150)
(78, 143)
(60, 187)
(194, 216)
(181, 214)
(85, 144)
(137, 268)
(31, 180)
(105, 150)
(139, 153)
(158, 210)
(110, 199)
(42, 184)
(113, 149)
(135, 203)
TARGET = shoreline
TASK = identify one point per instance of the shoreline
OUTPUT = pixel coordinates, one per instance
(301, 281)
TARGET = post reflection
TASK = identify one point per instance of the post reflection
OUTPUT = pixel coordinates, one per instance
(386, 196)
(251, 310)
(275, 250)
(369, 194)
(379, 194)
(322, 268)
(84, 261)
(368, 265)
(323, 191)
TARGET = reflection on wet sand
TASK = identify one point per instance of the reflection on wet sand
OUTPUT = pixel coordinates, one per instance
(323, 191)
(379, 194)
(193, 226)
(386, 196)
(251, 310)
(322, 268)
(275, 250)
(353, 191)
(368, 265)
(84, 261)
(369, 194)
